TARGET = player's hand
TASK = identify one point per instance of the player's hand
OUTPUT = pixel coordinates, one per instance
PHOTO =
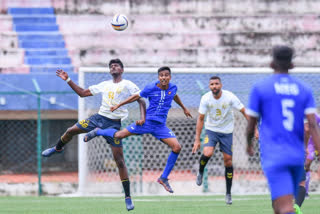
(113, 108)
(250, 150)
(140, 122)
(62, 74)
(187, 113)
(196, 146)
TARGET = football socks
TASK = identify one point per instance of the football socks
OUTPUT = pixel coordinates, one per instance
(170, 164)
(126, 187)
(301, 195)
(203, 162)
(106, 132)
(229, 175)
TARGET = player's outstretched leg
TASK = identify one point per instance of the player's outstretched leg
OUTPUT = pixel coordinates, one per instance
(66, 137)
(129, 204)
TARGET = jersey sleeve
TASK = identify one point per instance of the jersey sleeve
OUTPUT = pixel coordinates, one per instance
(133, 88)
(96, 89)
(310, 106)
(146, 91)
(254, 103)
(203, 108)
(236, 103)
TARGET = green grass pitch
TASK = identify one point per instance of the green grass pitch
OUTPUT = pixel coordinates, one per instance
(247, 204)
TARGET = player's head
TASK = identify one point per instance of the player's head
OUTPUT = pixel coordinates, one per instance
(116, 67)
(164, 75)
(215, 85)
(282, 58)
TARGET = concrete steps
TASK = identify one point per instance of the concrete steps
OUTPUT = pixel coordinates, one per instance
(38, 33)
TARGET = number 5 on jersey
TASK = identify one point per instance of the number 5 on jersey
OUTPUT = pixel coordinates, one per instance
(288, 122)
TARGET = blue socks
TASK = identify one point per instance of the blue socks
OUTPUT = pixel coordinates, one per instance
(106, 132)
(170, 164)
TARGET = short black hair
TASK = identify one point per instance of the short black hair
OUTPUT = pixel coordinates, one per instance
(215, 78)
(118, 61)
(282, 56)
(164, 68)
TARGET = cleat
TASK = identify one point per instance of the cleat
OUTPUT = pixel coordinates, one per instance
(129, 204)
(199, 178)
(164, 182)
(48, 152)
(90, 135)
(228, 199)
(297, 209)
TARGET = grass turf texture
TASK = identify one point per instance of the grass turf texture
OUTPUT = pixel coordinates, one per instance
(145, 205)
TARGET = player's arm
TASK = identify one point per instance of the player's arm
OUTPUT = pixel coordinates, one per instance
(80, 91)
(130, 99)
(314, 130)
(177, 99)
(142, 105)
(199, 126)
(306, 133)
(252, 123)
(256, 131)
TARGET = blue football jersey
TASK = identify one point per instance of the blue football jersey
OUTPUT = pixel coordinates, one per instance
(281, 102)
(159, 101)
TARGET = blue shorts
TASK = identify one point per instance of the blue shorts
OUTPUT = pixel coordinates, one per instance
(212, 138)
(283, 180)
(158, 130)
(102, 122)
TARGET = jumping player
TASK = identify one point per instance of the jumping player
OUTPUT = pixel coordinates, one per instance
(113, 92)
(160, 95)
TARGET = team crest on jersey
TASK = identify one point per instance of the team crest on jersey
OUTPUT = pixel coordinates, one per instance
(169, 92)
(224, 106)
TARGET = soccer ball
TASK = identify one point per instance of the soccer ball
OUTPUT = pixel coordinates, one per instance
(119, 22)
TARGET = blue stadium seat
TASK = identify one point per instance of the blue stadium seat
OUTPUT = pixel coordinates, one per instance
(38, 34)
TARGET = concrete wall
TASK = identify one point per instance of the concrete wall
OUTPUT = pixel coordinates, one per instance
(187, 33)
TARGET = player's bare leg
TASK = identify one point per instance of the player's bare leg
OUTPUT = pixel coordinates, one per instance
(205, 157)
(173, 156)
(283, 205)
(228, 175)
(65, 138)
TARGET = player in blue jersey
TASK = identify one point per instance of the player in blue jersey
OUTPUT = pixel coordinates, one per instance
(281, 102)
(160, 95)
